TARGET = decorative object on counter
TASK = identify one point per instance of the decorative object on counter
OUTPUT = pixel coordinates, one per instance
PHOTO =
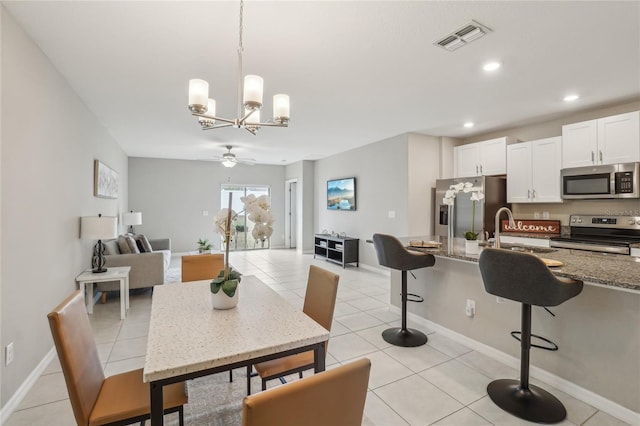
(204, 246)
(526, 279)
(224, 289)
(258, 211)
(392, 254)
(424, 244)
(471, 246)
(526, 226)
(98, 228)
(449, 199)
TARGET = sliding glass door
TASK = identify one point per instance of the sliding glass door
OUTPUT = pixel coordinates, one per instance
(242, 240)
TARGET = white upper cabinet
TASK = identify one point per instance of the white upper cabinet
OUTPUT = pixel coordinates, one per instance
(533, 171)
(607, 140)
(481, 158)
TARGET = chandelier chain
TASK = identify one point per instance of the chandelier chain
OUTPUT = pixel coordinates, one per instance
(240, 46)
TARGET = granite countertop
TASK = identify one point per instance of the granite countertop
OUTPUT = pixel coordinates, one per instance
(612, 270)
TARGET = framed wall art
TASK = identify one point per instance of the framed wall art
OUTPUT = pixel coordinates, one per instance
(105, 180)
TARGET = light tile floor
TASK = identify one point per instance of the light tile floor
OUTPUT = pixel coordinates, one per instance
(441, 383)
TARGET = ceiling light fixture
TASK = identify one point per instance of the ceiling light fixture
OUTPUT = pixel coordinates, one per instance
(571, 98)
(491, 66)
(249, 100)
(468, 124)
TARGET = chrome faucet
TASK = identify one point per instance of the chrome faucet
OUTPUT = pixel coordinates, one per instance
(497, 223)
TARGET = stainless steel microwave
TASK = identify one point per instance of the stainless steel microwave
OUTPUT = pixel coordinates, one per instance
(606, 181)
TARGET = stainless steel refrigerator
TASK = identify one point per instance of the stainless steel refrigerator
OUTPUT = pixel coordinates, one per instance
(494, 189)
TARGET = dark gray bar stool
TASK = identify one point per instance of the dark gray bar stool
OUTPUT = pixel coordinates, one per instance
(392, 254)
(526, 279)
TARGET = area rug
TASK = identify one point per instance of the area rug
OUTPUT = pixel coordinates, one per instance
(213, 401)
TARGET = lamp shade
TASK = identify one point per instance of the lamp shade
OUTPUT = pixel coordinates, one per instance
(132, 218)
(98, 227)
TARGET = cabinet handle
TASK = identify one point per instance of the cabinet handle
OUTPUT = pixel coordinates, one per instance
(593, 157)
(600, 156)
(477, 169)
(533, 194)
(480, 168)
(528, 194)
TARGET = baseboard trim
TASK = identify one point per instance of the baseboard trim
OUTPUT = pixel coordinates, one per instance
(597, 401)
(26, 386)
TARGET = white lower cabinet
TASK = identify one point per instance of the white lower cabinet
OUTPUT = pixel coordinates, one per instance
(533, 171)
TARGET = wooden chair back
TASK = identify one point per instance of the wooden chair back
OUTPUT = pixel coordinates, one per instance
(335, 397)
(201, 266)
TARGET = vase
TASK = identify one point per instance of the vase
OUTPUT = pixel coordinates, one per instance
(471, 247)
(221, 301)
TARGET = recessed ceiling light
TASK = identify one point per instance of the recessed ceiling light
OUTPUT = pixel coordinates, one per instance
(468, 124)
(491, 66)
(571, 98)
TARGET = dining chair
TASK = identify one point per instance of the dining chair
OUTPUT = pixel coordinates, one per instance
(319, 304)
(115, 400)
(334, 397)
(202, 266)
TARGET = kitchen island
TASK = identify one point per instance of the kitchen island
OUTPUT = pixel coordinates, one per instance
(598, 331)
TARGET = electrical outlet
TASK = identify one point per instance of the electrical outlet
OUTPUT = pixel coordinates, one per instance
(470, 309)
(8, 354)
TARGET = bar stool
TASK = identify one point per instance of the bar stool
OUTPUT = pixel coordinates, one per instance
(392, 254)
(526, 279)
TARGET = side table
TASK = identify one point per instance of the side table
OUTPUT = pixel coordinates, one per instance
(121, 273)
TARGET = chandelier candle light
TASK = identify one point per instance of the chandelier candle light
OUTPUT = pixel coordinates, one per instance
(249, 100)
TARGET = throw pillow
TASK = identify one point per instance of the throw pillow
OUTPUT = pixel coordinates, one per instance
(140, 246)
(145, 243)
(122, 245)
(132, 244)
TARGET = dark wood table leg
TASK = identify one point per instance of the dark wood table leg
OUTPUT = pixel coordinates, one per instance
(157, 418)
(319, 358)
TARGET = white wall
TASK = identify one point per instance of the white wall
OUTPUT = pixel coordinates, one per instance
(172, 195)
(422, 171)
(49, 141)
(303, 172)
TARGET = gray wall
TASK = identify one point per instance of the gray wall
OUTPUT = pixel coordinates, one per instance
(381, 174)
(172, 195)
(49, 141)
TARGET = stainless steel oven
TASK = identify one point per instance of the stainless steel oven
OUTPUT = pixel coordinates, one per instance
(606, 181)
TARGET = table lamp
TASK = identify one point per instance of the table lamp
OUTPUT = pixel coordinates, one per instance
(98, 228)
(132, 218)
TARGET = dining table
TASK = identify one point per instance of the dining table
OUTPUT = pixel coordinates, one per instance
(189, 339)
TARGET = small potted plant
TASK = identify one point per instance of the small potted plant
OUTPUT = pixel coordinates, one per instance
(224, 288)
(471, 237)
(204, 246)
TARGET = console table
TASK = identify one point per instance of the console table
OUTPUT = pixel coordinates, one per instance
(340, 250)
(121, 273)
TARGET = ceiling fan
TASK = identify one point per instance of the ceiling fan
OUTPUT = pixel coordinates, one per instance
(229, 159)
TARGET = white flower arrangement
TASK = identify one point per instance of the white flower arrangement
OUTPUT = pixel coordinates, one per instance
(477, 195)
(258, 211)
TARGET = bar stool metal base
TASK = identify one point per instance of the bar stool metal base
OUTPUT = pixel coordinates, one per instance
(533, 404)
(407, 337)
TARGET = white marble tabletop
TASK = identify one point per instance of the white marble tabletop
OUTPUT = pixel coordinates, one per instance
(187, 335)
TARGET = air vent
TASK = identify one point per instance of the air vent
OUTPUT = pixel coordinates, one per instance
(463, 36)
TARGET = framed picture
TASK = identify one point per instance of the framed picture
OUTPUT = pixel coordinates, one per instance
(105, 181)
(341, 194)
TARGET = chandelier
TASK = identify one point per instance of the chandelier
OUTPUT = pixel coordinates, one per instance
(249, 101)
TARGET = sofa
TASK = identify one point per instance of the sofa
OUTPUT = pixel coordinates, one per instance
(147, 268)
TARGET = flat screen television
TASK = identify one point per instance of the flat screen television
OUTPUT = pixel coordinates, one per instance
(341, 194)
